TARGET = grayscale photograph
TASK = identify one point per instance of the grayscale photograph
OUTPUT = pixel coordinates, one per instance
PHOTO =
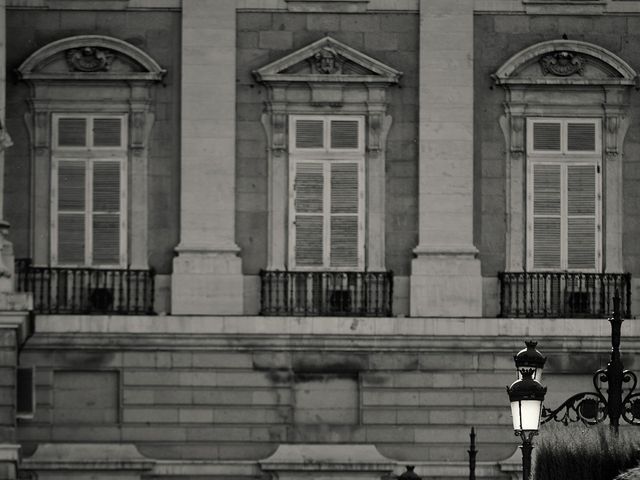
(319, 239)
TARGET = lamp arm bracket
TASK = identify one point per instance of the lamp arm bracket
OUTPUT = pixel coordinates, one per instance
(586, 407)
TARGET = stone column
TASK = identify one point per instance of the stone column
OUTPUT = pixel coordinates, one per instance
(13, 306)
(446, 279)
(207, 277)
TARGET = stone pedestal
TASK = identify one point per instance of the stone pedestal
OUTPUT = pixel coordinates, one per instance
(446, 279)
(446, 284)
(327, 462)
(207, 282)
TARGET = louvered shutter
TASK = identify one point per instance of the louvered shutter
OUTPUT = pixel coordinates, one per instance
(547, 216)
(547, 136)
(72, 132)
(582, 228)
(345, 214)
(71, 211)
(107, 132)
(345, 134)
(309, 214)
(309, 133)
(106, 212)
(581, 137)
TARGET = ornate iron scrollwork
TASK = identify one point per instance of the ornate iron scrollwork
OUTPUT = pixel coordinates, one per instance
(592, 408)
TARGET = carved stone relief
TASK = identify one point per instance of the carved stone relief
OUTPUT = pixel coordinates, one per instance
(562, 64)
(326, 61)
(89, 59)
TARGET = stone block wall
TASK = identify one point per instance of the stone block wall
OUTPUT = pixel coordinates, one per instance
(391, 38)
(155, 32)
(234, 388)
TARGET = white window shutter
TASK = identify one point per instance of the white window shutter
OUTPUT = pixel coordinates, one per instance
(107, 132)
(547, 136)
(582, 221)
(107, 191)
(581, 137)
(345, 214)
(345, 134)
(309, 133)
(547, 216)
(71, 211)
(309, 214)
(72, 132)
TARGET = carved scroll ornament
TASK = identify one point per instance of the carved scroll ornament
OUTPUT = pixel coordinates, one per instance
(89, 59)
(562, 64)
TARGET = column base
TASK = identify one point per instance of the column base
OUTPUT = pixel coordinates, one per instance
(207, 282)
(9, 458)
(446, 282)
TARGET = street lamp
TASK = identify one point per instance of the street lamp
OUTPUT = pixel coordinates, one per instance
(526, 396)
(530, 358)
(594, 407)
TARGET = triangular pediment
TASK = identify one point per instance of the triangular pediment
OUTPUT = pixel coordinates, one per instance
(327, 60)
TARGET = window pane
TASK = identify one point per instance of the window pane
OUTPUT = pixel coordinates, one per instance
(72, 132)
(71, 185)
(309, 133)
(546, 136)
(106, 239)
(344, 241)
(71, 238)
(344, 188)
(581, 243)
(106, 186)
(581, 137)
(344, 134)
(107, 132)
(581, 185)
(309, 187)
(309, 240)
(546, 189)
(546, 243)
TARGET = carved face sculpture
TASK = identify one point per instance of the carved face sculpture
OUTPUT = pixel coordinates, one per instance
(326, 61)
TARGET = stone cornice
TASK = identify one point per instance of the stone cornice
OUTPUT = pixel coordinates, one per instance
(325, 333)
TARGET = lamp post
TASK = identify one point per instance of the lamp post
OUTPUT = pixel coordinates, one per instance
(594, 407)
(526, 396)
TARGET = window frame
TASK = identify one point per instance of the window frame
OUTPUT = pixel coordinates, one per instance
(326, 156)
(564, 158)
(90, 154)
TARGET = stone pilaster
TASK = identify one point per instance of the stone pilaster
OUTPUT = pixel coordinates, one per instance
(207, 277)
(446, 278)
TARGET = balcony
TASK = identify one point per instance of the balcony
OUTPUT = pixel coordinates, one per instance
(563, 294)
(78, 290)
(367, 294)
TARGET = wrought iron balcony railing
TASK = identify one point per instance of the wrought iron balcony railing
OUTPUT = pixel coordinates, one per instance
(563, 294)
(326, 293)
(78, 290)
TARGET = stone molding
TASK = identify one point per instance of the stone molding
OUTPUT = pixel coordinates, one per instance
(50, 459)
(38, 65)
(600, 88)
(124, 87)
(486, 334)
(328, 461)
(353, 84)
(621, 73)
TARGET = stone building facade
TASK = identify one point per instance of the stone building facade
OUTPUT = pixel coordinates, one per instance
(304, 238)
